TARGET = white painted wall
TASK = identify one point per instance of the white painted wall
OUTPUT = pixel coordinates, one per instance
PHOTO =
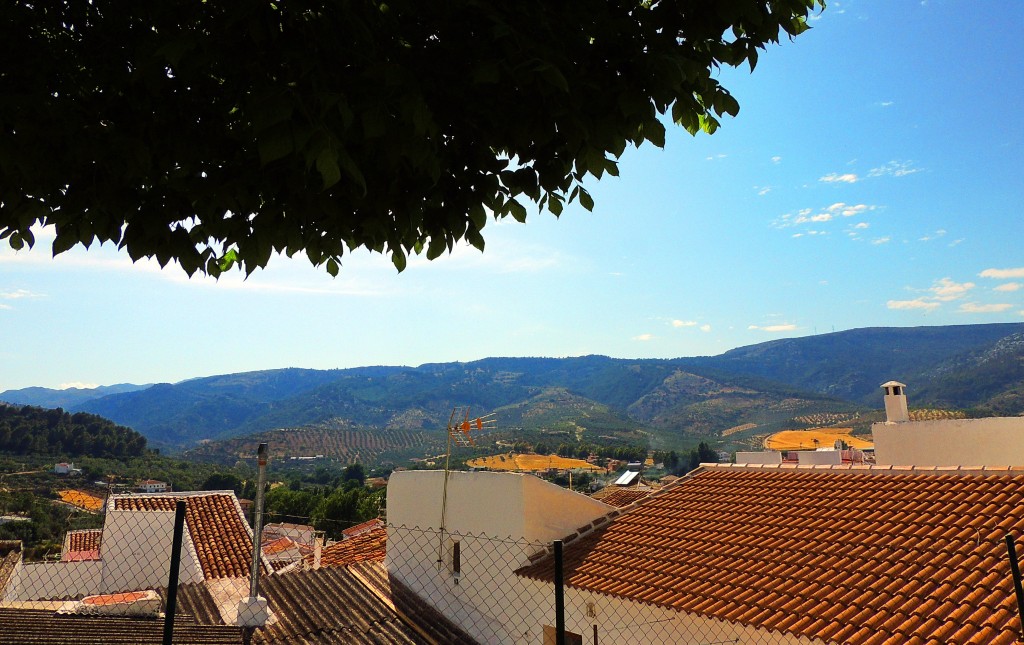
(52, 580)
(136, 551)
(623, 621)
(997, 441)
(499, 520)
(819, 457)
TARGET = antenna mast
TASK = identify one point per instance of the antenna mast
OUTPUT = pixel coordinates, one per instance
(460, 430)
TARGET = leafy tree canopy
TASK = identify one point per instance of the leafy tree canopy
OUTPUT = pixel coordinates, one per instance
(212, 134)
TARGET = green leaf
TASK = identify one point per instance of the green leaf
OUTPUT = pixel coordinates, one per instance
(332, 267)
(517, 210)
(555, 204)
(437, 246)
(654, 132)
(16, 242)
(227, 260)
(586, 201)
(327, 166)
(398, 259)
(275, 144)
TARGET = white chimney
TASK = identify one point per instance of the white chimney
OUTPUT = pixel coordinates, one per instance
(895, 402)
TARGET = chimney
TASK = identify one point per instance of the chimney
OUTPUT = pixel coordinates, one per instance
(895, 402)
(254, 611)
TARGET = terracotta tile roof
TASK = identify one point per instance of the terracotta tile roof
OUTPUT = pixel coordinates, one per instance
(280, 545)
(85, 540)
(40, 627)
(359, 529)
(222, 539)
(371, 545)
(850, 554)
(625, 496)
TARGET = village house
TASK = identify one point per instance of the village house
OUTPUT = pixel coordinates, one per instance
(132, 551)
(153, 486)
(776, 554)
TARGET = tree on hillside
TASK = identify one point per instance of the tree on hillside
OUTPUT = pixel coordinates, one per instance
(212, 134)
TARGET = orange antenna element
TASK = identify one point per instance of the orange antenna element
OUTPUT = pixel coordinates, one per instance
(461, 427)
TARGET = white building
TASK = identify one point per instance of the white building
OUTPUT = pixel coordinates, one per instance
(993, 441)
(153, 486)
(133, 552)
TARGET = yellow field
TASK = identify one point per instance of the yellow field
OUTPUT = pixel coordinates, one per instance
(529, 462)
(81, 499)
(805, 439)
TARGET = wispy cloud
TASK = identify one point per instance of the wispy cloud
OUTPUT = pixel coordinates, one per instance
(763, 190)
(776, 159)
(718, 156)
(917, 303)
(705, 328)
(1003, 274)
(881, 240)
(894, 169)
(836, 178)
(774, 328)
(1009, 286)
(3, 306)
(885, 104)
(933, 236)
(822, 215)
(644, 337)
(861, 225)
(975, 308)
(18, 294)
(684, 323)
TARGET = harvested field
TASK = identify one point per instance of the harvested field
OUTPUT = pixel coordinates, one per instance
(814, 438)
(529, 462)
(740, 428)
(81, 499)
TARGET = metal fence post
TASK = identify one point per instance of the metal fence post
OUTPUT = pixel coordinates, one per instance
(172, 577)
(559, 596)
(1011, 551)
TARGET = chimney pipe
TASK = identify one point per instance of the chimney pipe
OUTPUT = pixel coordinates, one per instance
(253, 611)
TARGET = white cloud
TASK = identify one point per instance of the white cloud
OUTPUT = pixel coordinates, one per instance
(937, 234)
(776, 159)
(77, 385)
(644, 337)
(955, 242)
(1003, 274)
(861, 225)
(845, 178)
(3, 306)
(882, 240)
(684, 323)
(894, 169)
(917, 303)
(774, 328)
(705, 328)
(946, 290)
(17, 294)
(885, 103)
(764, 191)
(975, 308)
(1009, 286)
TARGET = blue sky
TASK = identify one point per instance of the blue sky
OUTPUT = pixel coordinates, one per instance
(872, 178)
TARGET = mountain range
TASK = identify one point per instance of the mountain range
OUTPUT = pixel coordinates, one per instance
(979, 368)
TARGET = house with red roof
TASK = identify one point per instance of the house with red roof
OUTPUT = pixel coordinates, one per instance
(858, 554)
(132, 552)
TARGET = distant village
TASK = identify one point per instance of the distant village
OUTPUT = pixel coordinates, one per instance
(905, 541)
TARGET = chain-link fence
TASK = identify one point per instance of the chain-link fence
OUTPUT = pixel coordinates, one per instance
(387, 583)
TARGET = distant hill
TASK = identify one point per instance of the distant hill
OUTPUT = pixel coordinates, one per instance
(45, 397)
(29, 430)
(589, 398)
(852, 364)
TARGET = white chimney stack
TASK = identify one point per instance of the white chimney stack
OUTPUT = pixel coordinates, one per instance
(895, 402)
(253, 611)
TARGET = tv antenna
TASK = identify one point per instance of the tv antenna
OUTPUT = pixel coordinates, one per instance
(462, 431)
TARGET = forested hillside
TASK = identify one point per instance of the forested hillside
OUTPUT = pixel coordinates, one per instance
(978, 369)
(27, 430)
